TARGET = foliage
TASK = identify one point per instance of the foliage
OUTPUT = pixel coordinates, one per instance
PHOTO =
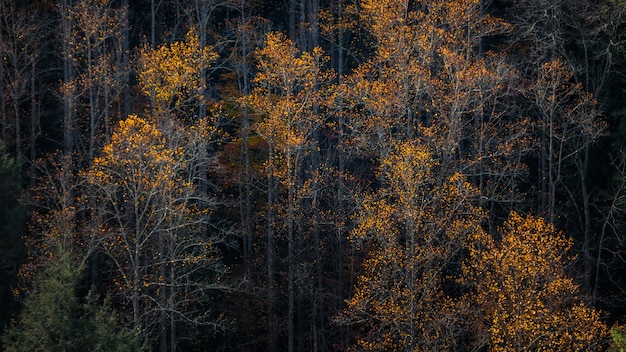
(170, 74)
(380, 145)
(12, 217)
(524, 298)
(414, 230)
(54, 319)
(618, 341)
(286, 92)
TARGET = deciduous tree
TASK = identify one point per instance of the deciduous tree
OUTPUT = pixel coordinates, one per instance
(414, 230)
(525, 299)
(286, 95)
(149, 219)
(170, 76)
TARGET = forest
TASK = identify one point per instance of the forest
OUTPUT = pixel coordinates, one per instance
(312, 175)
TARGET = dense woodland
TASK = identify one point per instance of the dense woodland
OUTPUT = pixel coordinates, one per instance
(312, 175)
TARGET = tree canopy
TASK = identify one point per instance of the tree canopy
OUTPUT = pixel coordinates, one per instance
(312, 175)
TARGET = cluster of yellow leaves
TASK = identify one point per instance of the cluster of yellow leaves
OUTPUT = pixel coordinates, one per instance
(170, 74)
(526, 301)
(285, 92)
(138, 160)
(338, 23)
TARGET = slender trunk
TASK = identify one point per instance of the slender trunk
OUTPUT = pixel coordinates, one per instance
(16, 97)
(271, 341)
(245, 207)
(34, 117)
(203, 186)
(18, 131)
(68, 76)
(341, 254)
(314, 15)
(152, 24)
(246, 144)
(93, 106)
(319, 333)
(481, 40)
(3, 104)
(203, 17)
(172, 294)
(588, 258)
(301, 27)
(161, 294)
(107, 113)
(551, 165)
(291, 260)
(339, 43)
(292, 20)
(126, 57)
(135, 295)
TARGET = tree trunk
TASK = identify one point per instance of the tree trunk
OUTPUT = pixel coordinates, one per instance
(34, 118)
(271, 341)
(292, 20)
(68, 77)
(587, 256)
(291, 260)
(126, 57)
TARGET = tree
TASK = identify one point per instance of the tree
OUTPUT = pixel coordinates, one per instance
(523, 296)
(21, 34)
(12, 217)
(569, 125)
(414, 230)
(618, 342)
(149, 220)
(98, 58)
(54, 319)
(286, 94)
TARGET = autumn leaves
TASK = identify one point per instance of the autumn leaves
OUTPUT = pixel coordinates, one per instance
(449, 126)
(524, 299)
(381, 197)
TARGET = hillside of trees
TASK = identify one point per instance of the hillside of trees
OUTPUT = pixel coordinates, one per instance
(312, 175)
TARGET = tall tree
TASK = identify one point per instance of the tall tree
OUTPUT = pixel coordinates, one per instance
(149, 219)
(99, 64)
(569, 126)
(415, 230)
(285, 94)
(68, 89)
(21, 34)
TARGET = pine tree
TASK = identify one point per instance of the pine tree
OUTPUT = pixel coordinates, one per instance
(54, 318)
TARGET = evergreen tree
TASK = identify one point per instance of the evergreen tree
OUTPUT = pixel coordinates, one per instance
(12, 251)
(55, 319)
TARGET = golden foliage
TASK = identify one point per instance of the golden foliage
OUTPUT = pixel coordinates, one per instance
(414, 229)
(170, 74)
(140, 191)
(526, 300)
(286, 90)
